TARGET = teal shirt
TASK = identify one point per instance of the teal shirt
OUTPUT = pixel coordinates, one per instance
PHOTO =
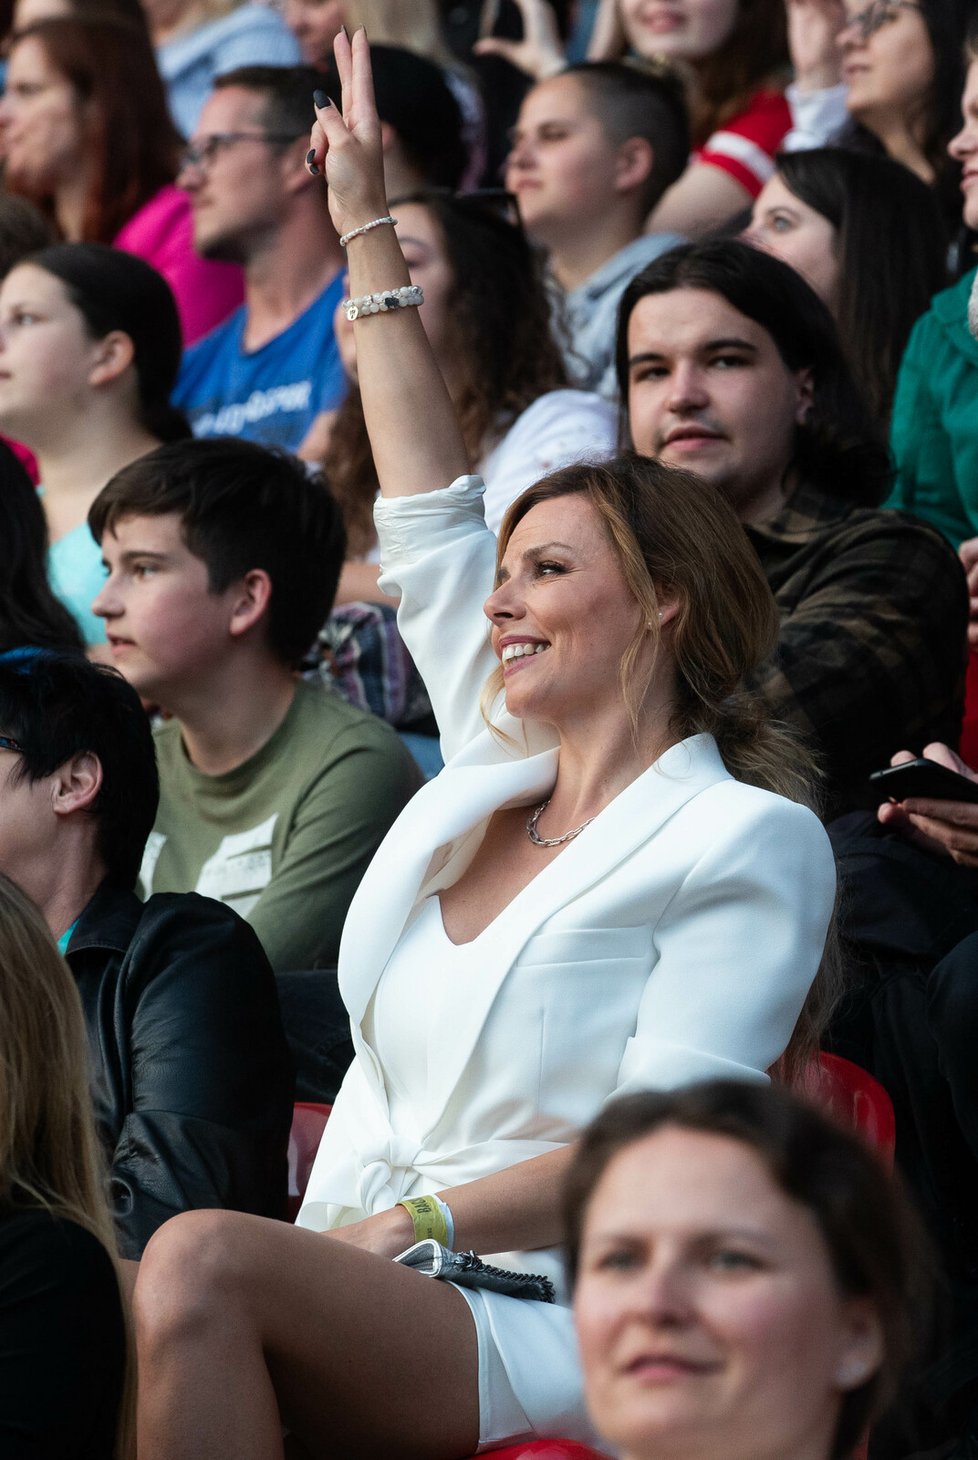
(934, 434)
(77, 576)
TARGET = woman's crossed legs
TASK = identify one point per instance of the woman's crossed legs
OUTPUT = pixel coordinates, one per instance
(245, 1324)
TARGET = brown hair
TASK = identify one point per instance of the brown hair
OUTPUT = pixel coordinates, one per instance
(677, 535)
(753, 55)
(130, 137)
(875, 1242)
(505, 357)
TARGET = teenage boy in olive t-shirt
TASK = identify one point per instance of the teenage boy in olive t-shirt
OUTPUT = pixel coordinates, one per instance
(222, 562)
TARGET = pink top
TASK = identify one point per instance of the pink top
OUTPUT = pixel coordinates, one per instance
(745, 146)
(162, 234)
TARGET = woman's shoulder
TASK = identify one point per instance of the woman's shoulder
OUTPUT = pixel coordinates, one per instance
(34, 1240)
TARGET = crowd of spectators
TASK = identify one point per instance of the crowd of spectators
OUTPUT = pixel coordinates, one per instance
(546, 416)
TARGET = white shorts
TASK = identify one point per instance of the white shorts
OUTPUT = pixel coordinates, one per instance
(530, 1383)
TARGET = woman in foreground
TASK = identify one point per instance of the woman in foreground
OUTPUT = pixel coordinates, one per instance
(62, 1334)
(585, 901)
(746, 1277)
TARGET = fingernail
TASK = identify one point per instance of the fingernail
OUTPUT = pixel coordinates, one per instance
(321, 99)
(345, 31)
(311, 162)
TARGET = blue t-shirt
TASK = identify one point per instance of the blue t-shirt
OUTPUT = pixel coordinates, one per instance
(271, 395)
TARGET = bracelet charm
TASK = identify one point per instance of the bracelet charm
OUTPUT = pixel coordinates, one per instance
(408, 296)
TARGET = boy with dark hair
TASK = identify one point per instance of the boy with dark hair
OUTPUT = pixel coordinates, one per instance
(223, 560)
(594, 149)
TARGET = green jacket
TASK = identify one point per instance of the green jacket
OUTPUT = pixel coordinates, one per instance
(934, 434)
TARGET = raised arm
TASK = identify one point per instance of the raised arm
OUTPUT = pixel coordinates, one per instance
(410, 420)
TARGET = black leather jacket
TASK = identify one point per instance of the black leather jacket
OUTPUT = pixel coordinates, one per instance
(192, 1078)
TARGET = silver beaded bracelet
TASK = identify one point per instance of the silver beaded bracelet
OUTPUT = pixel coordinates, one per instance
(365, 228)
(407, 297)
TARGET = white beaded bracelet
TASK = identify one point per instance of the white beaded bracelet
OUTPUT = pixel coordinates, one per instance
(407, 297)
(365, 228)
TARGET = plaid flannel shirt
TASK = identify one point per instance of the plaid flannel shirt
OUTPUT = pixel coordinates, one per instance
(871, 652)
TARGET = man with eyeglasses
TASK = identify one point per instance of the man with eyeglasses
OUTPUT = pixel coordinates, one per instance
(191, 1077)
(272, 370)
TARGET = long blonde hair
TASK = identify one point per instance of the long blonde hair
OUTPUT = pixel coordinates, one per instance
(49, 1152)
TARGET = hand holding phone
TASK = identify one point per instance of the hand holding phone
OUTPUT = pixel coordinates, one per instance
(923, 780)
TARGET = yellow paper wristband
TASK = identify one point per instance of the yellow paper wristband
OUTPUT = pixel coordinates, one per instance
(427, 1217)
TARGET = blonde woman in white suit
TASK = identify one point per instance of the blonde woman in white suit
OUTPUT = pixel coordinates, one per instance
(590, 899)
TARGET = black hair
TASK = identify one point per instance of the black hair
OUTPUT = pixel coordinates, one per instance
(30, 614)
(242, 507)
(115, 290)
(635, 100)
(874, 1239)
(882, 291)
(285, 90)
(416, 101)
(948, 24)
(56, 706)
(840, 446)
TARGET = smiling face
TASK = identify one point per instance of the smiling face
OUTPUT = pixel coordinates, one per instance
(888, 72)
(46, 354)
(785, 226)
(562, 614)
(681, 30)
(42, 132)
(562, 165)
(964, 147)
(709, 1318)
(708, 391)
(167, 630)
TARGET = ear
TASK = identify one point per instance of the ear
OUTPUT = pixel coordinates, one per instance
(633, 164)
(112, 357)
(76, 783)
(668, 609)
(250, 598)
(861, 1348)
(805, 382)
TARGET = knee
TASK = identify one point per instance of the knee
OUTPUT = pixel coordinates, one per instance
(188, 1278)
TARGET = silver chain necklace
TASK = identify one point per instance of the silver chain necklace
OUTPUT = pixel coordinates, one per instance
(551, 841)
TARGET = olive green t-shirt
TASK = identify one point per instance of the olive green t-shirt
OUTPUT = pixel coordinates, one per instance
(285, 837)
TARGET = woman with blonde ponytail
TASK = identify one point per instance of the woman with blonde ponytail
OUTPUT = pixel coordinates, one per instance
(63, 1342)
(584, 902)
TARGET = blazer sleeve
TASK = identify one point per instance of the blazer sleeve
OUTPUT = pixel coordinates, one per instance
(438, 555)
(738, 947)
(211, 1077)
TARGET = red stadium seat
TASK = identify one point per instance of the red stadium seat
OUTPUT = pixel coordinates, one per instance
(308, 1124)
(857, 1100)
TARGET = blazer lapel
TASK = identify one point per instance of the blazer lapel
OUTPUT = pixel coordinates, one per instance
(633, 818)
(437, 817)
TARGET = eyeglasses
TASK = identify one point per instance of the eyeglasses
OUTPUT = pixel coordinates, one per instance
(7, 744)
(202, 152)
(878, 14)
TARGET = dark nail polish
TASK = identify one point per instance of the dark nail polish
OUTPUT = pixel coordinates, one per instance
(321, 99)
(310, 156)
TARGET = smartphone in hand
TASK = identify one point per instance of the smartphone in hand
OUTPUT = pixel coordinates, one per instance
(922, 778)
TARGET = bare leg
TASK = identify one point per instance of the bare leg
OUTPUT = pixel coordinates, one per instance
(245, 1324)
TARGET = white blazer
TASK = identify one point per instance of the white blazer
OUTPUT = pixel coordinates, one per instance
(674, 940)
